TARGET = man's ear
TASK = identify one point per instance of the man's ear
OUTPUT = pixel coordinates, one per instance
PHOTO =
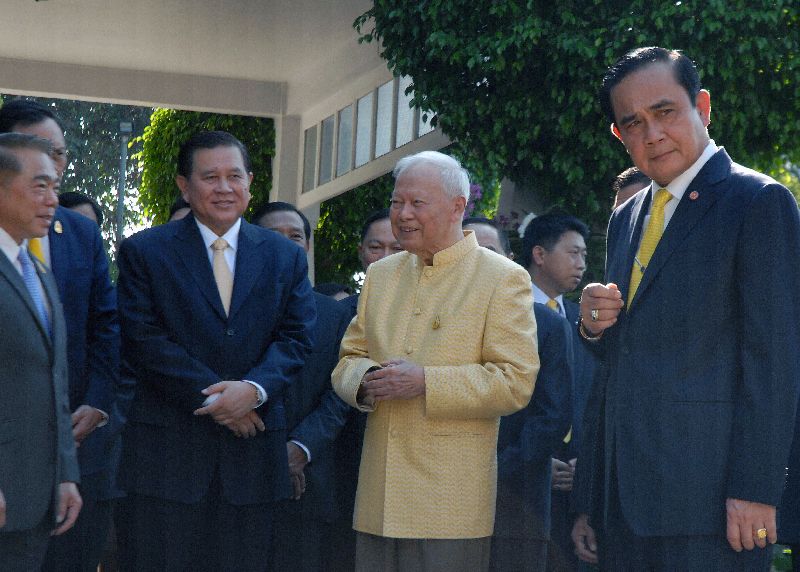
(615, 131)
(537, 255)
(703, 106)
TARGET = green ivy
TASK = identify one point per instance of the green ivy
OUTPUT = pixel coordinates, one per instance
(162, 139)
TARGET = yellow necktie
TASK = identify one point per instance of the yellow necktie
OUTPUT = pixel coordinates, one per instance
(35, 246)
(222, 273)
(650, 238)
(553, 305)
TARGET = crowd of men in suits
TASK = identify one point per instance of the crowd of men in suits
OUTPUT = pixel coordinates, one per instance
(460, 413)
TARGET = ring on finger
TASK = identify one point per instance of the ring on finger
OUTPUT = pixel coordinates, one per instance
(595, 314)
(761, 533)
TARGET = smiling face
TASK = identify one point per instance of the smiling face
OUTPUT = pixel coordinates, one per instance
(28, 199)
(425, 220)
(655, 119)
(218, 189)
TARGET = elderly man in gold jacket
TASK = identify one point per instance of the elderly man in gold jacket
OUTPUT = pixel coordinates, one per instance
(444, 344)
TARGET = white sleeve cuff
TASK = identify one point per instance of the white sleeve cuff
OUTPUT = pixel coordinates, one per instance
(262, 395)
(304, 448)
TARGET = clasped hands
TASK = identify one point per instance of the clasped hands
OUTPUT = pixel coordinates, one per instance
(233, 407)
(396, 379)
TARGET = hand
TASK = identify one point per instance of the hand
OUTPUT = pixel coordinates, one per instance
(397, 379)
(236, 399)
(744, 519)
(607, 300)
(297, 462)
(562, 475)
(584, 539)
(2, 510)
(69, 506)
(84, 421)
(247, 426)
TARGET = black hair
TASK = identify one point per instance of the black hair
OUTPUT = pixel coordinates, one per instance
(502, 235)
(546, 230)
(685, 73)
(208, 140)
(25, 112)
(373, 218)
(630, 176)
(72, 199)
(280, 206)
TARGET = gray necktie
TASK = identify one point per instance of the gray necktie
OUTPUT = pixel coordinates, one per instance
(34, 287)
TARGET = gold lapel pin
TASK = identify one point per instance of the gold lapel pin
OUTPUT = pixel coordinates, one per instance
(436, 322)
(58, 227)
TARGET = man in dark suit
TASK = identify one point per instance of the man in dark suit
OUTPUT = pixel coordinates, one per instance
(74, 251)
(696, 395)
(528, 438)
(216, 316)
(554, 252)
(315, 416)
(39, 469)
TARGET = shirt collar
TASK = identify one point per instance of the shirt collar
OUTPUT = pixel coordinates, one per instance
(541, 298)
(455, 252)
(9, 246)
(679, 185)
(231, 236)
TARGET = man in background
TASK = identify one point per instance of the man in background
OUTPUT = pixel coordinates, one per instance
(315, 416)
(554, 252)
(73, 249)
(628, 183)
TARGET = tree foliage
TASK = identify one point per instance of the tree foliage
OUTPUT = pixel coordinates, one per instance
(93, 147)
(514, 83)
(170, 128)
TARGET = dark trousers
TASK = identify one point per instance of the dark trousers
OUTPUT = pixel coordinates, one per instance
(622, 550)
(379, 553)
(157, 535)
(24, 550)
(81, 547)
(299, 538)
(518, 555)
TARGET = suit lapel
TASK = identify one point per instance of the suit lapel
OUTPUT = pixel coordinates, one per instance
(688, 213)
(250, 260)
(13, 276)
(191, 253)
(625, 250)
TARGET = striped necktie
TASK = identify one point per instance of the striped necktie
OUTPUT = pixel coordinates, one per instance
(34, 287)
(650, 238)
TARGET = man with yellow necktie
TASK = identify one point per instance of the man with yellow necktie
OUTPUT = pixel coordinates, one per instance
(697, 328)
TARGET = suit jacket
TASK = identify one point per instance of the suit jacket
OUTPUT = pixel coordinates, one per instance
(789, 510)
(315, 415)
(79, 264)
(428, 466)
(37, 451)
(178, 341)
(528, 438)
(698, 384)
(584, 362)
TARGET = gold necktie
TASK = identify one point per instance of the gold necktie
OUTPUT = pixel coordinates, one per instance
(650, 238)
(35, 246)
(553, 305)
(222, 273)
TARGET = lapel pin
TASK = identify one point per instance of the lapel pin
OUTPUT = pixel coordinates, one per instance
(436, 322)
(693, 195)
(57, 226)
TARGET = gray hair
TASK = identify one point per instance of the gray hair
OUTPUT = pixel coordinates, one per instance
(454, 177)
(10, 165)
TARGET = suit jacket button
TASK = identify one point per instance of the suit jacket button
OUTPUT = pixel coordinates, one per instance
(230, 332)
